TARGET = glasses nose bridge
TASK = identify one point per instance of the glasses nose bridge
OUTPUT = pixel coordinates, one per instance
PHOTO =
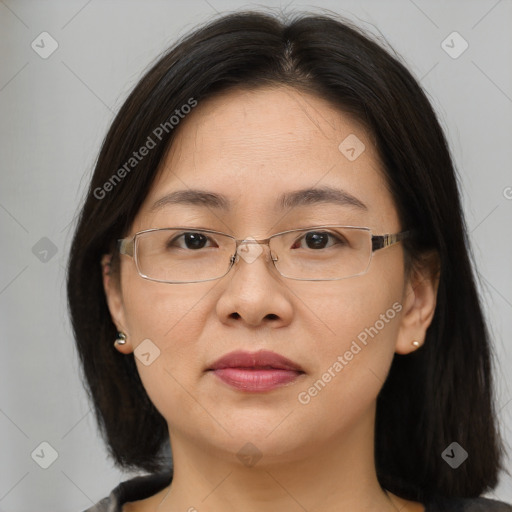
(243, 250)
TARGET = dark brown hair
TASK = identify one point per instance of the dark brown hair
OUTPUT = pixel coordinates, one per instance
(439, 394)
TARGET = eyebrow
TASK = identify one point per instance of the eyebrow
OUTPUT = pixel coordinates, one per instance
(288, 200)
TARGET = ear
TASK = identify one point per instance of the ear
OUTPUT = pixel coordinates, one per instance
(112, 288)
(419, 303)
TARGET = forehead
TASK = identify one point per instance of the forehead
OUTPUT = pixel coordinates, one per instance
(274, 124)
(254, 146)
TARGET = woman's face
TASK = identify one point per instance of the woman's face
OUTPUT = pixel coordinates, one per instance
(252, 147)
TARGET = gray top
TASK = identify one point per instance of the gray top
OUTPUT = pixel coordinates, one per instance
(142, 487)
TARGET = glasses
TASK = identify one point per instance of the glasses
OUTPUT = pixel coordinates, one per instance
(319, 253)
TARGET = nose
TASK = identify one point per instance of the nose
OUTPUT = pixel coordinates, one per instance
(254, 292)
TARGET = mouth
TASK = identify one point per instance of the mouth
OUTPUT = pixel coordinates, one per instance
(256, 372)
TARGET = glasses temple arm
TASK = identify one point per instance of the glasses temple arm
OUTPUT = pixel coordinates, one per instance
(381, 241)
(126, 246)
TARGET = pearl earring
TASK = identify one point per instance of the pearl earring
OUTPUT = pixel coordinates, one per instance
(121, 338)
(416, 343)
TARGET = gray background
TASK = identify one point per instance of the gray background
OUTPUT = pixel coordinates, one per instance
(54, 114)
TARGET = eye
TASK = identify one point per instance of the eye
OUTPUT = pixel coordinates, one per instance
(318, 240)
(190, 240)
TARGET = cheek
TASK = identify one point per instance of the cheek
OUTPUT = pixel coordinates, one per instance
(361, 324)
(163, 312)
(355, 342)
(354, 309)
(164, 322)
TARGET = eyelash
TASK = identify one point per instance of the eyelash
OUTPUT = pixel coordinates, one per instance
(300, 239)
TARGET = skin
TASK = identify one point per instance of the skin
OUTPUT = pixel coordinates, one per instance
(252, 146)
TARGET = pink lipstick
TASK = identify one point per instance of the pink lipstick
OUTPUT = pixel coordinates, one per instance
(257, 371)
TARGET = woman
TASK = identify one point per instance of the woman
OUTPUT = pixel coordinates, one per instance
(274, 239)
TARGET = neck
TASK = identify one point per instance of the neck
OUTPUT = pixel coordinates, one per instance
(337, 474)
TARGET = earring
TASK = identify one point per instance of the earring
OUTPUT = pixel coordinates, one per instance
(121, 339)
(416, 343)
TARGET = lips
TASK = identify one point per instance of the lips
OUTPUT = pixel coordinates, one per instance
(262, 360)
(256, 372)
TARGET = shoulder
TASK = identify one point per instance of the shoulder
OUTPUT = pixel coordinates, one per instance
(108, 504)
(467, 505)
(136, 488)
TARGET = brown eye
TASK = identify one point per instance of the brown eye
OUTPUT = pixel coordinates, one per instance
(190, 240)
(318, 240)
